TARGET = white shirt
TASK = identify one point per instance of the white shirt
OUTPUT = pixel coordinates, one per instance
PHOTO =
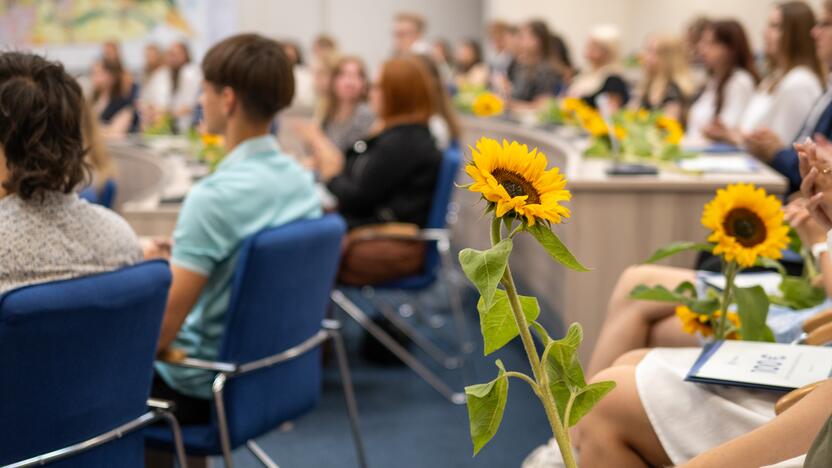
(784, 109)
(187, 93)
(737, 93)
(157, 89)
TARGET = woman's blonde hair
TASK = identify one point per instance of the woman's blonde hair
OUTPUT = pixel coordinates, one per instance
(97, 156)
(672, 68)
(609, 37)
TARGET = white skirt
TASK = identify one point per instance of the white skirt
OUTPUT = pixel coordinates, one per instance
(692, 418)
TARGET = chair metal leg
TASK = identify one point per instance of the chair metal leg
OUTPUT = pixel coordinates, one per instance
(349, 396)
(179, 447)
(441, 357)
(222, 421)
(432, 379)
(466, 346)
(260, 454)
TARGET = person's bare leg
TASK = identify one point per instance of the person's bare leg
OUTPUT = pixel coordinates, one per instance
(668, 333)
(628, 323)
(618, 429)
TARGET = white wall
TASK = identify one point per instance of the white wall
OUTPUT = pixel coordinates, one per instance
(636, 18)
(362, 27)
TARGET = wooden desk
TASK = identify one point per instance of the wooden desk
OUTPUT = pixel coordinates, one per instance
(616, 222)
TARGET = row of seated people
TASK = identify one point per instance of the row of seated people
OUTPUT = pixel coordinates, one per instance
(168, 86)
(735, 106)
(50, 234)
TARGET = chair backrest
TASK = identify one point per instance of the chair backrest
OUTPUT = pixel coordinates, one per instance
(76, 360)
(437, 218)
(280, 293)
(104, 197)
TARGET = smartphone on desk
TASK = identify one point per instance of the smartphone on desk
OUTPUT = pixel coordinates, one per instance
(618, 169)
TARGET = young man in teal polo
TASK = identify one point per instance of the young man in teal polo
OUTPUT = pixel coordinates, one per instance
(248, 79)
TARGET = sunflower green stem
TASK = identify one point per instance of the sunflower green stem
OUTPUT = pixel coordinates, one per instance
(731, 269)
(559, 431)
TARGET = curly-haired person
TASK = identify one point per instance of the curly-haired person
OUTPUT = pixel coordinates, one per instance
(46, 232)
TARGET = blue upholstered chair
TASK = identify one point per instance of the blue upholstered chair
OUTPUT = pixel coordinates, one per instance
(437, 258)
(76, 361)
(104, 197)
(269, 366)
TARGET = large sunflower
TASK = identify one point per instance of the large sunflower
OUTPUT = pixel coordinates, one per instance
(515, 180)
(746, 224)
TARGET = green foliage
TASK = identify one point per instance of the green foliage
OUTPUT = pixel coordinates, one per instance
(598, 148)
(552, 114)
(679, 247)
(752, 307)
(684, 294)
(798, 293)
(486, 404)
(554, 247)
(497, 322)
(573, 397)
(485, 268)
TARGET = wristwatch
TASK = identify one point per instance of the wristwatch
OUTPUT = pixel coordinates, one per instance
(819, 248)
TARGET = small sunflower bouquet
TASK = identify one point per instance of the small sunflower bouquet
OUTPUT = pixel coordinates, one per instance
(643, 136)
(208, 148)
(523, 197)
(479, 101)
(162, 126)
(747, 231)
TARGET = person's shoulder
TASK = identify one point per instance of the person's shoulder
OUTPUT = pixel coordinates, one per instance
(741, 78)
(106, 222)
(800, 77)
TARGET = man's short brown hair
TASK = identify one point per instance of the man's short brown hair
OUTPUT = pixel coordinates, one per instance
(40, 126)
(258, 71)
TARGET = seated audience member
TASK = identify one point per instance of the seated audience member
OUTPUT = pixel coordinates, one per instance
(113, 98)
(440, 53)
(732, 77)
(504, 44)
(324, 48)
(391, 176)
(534, 75)
(322, 71)
(667, 85)
(631, 324)
(767, 146)
(693, 34)
(562, 59)
(443, 124)
(156, 85)
(47, 232)
(408, 35)
(111, 50)
(304, 82)
(186, 79)
(471, 71)
(98, 158)
(785, 97)
(347, 117)
(499, 41)
(604, 74)
(248, 79)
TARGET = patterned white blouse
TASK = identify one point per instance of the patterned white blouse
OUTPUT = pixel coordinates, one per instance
(60, 237)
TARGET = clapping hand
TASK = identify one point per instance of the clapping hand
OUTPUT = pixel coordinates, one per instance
(816, 170)
(762, 144)
(808, 229)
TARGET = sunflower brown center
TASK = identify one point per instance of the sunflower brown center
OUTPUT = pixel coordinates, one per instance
(516, 185)
(745, 226)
